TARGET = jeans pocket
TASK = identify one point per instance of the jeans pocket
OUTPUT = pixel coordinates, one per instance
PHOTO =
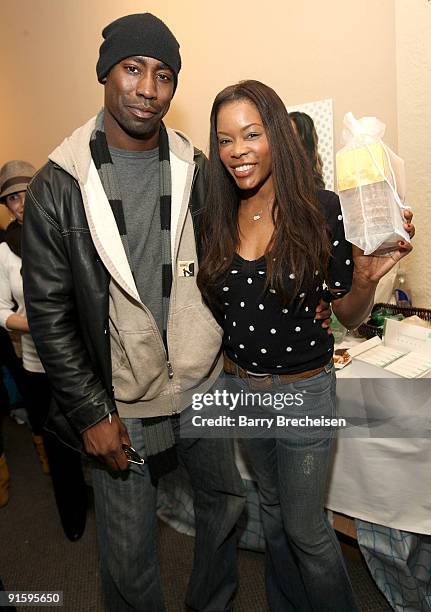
(318, 385)
(311, 415)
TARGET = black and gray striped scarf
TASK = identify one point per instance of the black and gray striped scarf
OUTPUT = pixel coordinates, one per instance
(158, 433)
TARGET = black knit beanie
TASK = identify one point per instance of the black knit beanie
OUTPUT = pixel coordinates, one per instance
(140, 34)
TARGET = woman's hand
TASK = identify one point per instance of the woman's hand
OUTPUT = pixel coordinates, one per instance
(371, 268)
(352, 309)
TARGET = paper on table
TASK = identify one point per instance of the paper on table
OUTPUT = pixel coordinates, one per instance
(412, 365)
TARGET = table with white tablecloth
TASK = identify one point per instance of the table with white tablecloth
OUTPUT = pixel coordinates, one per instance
(382, 478)
(382, 473)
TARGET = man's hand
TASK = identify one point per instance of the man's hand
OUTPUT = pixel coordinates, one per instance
(103, 441)
(323, 312)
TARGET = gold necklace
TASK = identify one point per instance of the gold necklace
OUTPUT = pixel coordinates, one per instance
(257, 216)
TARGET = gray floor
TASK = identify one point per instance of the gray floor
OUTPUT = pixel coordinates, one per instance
(34, 554)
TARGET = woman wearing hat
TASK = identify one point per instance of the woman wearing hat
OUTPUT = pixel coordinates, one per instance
(65, 465)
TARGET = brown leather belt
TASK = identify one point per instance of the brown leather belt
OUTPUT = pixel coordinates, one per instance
(266, 381)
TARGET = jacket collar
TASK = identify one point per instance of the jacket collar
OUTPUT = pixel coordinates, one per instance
(73, 154)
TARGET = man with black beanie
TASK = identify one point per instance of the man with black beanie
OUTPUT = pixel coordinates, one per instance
(121, 329)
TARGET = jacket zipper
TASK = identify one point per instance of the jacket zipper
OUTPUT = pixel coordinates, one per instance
(168, 363)
(165, 348)
(170, 369)
(147, 310)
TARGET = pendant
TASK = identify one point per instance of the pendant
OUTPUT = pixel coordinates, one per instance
(257, 217)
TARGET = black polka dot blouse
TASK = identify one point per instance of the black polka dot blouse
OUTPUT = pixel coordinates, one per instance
(263, 336)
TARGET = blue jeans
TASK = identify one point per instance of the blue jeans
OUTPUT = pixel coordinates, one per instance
(305, 569)
(126, 525)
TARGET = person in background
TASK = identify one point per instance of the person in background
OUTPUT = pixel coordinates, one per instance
(263, 271)
(63, 465)
(10, 361)
(306, 130)
(14, 178)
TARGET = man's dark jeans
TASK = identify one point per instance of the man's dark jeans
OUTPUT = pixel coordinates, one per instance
(126, 524)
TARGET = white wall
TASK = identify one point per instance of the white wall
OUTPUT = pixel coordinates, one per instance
(307, 50)
(370, 57)
(413, 35)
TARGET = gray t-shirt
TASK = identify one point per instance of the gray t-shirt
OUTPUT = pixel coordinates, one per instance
(138, 178)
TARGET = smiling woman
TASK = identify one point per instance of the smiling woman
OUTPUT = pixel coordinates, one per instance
(240, 131)
(254, 151)
(273, 246)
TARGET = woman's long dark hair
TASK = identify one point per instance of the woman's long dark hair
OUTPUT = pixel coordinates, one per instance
(308, 136)
(299, 243)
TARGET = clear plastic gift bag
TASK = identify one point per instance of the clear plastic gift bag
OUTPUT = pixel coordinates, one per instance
(371, 186)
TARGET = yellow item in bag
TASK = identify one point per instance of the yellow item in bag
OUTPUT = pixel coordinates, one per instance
(371, 185)
(361, 166)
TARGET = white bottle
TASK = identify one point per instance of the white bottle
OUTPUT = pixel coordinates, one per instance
(403, 295)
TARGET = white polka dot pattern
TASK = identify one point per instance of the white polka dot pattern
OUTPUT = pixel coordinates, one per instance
(259, 324)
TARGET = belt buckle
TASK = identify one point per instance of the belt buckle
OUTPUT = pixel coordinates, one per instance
(256, 375)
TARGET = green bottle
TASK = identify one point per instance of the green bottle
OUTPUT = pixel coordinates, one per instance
(338, 330)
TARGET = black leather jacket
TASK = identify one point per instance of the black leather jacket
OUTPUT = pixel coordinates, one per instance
(66, 289)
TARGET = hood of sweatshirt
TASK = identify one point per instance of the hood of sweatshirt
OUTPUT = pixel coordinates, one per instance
(74, 156)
